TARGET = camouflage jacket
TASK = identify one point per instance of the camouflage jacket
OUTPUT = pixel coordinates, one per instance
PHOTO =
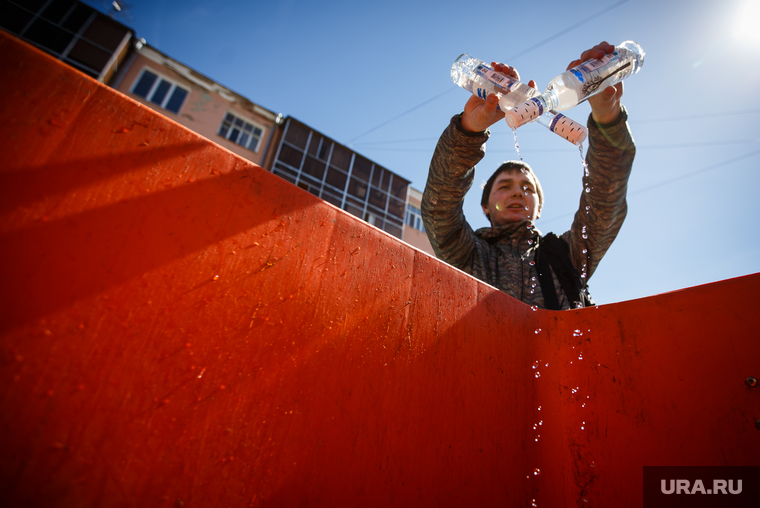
(504, 256)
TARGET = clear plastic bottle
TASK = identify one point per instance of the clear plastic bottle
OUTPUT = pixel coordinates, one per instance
(478, 78)
(579, 83)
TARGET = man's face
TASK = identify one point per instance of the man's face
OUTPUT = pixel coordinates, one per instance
(513, 198)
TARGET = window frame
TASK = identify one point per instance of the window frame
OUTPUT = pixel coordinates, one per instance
(161, 77)
(248, 121)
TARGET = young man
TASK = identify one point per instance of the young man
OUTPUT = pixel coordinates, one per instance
(512, 255)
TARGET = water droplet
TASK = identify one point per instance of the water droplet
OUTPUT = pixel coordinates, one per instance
(534, 308)
(539, 408)
(588, 207)
(532, 263)
(533, 503)
(538, 374)
(216, 277)
(580, 356)
(536, 472)
(538, 330)
(583, 405)
(517, 147)
(546, 365)
(575, 390)
(535, 364)
(530, 242)
(583, 160)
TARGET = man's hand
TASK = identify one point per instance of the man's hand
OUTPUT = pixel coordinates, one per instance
(605, 106)
(480, 114)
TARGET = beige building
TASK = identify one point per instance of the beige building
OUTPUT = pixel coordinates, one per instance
(414, 230)
(198, 102)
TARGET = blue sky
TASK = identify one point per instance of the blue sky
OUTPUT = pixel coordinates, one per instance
(352, 69)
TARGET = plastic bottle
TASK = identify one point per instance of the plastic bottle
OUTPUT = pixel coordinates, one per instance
(480, 79)
(579, 83)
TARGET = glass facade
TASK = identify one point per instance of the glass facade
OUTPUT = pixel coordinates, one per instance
(69, 30)
(342, 177)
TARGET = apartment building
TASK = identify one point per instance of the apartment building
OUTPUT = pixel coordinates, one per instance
(197, 102)
(110, 52)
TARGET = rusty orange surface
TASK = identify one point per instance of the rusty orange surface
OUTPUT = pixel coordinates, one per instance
(179, 327)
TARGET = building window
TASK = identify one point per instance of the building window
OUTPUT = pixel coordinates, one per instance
(414, 218)
(159, 91)
(241, 132)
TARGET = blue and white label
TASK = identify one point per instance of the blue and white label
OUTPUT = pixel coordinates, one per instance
(556, 120)
(501, 83)
(539, 106)
(586, 70)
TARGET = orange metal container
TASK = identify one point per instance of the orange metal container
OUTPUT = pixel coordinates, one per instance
(179, 327)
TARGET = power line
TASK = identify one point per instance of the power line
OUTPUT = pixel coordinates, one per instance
(535, 46)
(636, 122)
(566, 30)
(698, 117)
(693, 173)
(402, 114)
(574, 148)
(673, 180)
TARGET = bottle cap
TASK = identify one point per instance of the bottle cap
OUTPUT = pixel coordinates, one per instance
(524, 113)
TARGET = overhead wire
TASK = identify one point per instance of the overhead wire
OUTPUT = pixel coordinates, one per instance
(638, 122)
(574, 148)
(673, 180)
(511, 58)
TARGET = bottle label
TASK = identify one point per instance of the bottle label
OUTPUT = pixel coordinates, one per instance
(595, 73)
(539, 106)
(501, 82)
(556, 119)
(586, 69)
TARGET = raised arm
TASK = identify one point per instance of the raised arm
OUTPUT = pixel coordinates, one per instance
(452, 169)
(603, 205)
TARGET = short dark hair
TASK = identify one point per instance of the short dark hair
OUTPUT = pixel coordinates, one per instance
(505, 167)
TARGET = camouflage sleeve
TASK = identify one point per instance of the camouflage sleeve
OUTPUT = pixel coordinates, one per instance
(603, 204)
(451, 174)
